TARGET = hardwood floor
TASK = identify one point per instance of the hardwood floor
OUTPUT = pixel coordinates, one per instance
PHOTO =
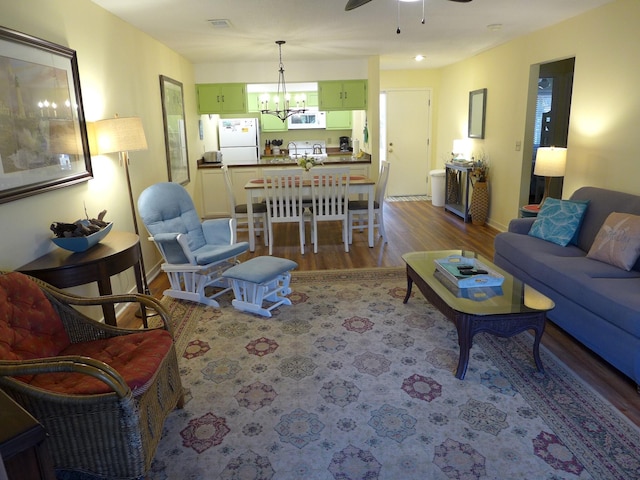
(415, 226)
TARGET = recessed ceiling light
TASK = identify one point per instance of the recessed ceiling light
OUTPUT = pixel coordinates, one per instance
(494, 27)
(220, 23)
(419, 58)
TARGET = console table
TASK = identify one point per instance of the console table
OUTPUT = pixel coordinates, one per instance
(457, 194)
(117, 252)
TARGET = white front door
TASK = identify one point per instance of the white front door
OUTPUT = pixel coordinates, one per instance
(407, 141)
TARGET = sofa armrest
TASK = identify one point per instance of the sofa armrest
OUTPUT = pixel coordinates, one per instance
(521, 225)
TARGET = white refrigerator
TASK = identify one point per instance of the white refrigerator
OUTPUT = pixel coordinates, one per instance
(239, 141)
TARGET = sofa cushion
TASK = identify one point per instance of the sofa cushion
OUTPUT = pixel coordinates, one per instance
(136, 357)
(602, 203)
(29, 326)
(603, 289)
(618, 241)
(558, 221)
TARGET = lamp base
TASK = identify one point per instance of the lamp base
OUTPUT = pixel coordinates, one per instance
(547, 187)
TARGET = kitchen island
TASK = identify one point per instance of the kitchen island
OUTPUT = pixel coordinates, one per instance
(212, 187)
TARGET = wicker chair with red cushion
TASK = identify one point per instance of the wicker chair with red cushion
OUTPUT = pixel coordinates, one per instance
(101, 392)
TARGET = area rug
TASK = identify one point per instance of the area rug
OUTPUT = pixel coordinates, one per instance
(350, 383)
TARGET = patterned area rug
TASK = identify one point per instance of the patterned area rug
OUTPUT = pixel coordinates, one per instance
(350, 383)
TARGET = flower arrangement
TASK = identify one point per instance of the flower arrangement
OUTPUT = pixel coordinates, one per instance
(479, 169)
(307, 162)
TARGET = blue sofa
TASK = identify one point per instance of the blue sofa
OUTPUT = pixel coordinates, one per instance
(596, 303)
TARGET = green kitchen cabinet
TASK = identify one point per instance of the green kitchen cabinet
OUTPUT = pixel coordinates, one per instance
(271, 123)
(342, 95)
(339, 119)
(312, 99)
(221, 98)
(253, 102)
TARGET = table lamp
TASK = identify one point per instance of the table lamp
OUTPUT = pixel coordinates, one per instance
(550, 162)
(122, 135)
(459, 149)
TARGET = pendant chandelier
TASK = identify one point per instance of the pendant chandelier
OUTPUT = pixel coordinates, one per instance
(281, 104)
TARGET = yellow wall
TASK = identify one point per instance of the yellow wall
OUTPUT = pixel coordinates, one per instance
(119, 73)
(605, 109)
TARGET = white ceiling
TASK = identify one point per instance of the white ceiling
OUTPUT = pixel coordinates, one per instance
(322, 29)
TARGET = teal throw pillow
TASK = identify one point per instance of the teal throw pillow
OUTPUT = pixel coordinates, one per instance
(558, 221)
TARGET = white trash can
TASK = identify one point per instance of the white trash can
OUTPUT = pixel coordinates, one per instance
(437, 187)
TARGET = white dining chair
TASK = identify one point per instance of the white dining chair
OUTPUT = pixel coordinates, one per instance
(284, 203)
(358, 208)
(239, 211)
(329, 196)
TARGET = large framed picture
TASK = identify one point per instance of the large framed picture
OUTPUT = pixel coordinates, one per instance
(43, 135)
(175, 130)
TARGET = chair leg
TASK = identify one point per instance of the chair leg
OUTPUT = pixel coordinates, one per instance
(270, 228)
(381, 229)
(263, 224)
(314, 234)
(301, 228)
(345, 234)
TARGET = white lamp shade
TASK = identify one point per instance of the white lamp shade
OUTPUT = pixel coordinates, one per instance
(460, 147)
(119, 134)
(550, 162)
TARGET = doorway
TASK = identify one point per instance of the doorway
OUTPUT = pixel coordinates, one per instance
(551, 127)
(404, 140)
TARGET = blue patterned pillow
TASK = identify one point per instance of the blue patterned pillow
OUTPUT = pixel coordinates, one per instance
(558, 221)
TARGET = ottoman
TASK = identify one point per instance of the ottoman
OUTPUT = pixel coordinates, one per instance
(259, 279)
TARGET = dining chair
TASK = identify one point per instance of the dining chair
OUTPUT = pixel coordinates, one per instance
(283, 195)
(358, 208)
(329, 196)
(239, 211)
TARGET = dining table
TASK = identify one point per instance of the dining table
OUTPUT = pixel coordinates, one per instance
(358, 185)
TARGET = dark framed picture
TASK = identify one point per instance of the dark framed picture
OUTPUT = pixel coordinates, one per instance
(43, 135)
(477, 112)
(175, 130)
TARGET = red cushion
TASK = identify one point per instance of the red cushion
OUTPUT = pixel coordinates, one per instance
(135, 356)
(29, 326)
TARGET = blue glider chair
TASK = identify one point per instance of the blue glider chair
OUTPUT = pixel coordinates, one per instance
(195, 253)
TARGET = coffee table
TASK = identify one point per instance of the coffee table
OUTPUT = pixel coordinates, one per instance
(503, 311)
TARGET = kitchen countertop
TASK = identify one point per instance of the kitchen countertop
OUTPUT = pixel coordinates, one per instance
(333, 157)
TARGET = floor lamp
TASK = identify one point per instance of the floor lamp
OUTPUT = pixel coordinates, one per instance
(550, 162)
(122, 135)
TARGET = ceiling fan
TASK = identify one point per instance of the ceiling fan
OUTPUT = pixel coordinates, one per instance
(351, 4)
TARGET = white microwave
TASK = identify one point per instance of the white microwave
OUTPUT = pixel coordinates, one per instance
(309, 119)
